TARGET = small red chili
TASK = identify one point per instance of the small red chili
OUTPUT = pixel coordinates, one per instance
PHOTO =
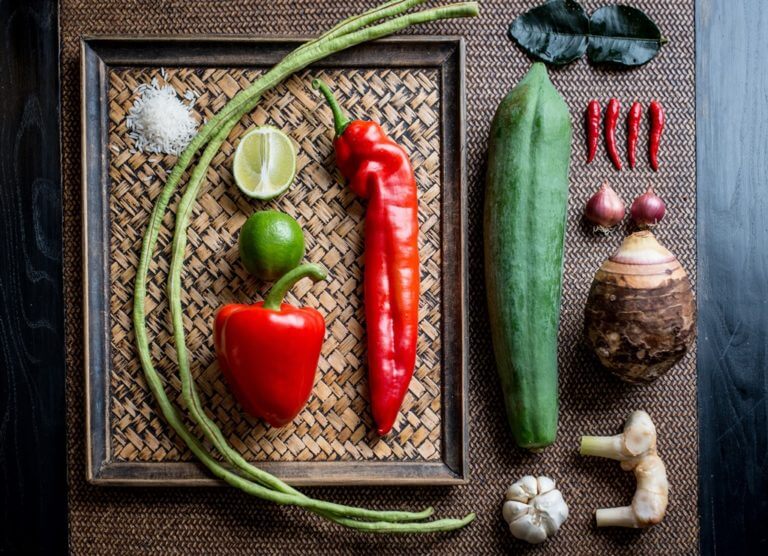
(657, 126)
(593, 129)
(611, 120)
(633, 129)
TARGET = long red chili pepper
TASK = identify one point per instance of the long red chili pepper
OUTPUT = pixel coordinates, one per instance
(657, 126)
(633, 130)
(593, 129)
(611, 120)
(378, 169)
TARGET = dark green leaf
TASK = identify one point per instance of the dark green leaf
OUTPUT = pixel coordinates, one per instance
(555, 32)
(622, 35)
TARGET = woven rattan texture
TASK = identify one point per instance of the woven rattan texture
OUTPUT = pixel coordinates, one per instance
(197, 521)
(336, 423)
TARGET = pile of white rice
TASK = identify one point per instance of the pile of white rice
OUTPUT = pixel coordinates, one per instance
(159, 122)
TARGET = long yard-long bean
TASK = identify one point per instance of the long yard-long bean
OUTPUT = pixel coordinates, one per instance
(242, 474)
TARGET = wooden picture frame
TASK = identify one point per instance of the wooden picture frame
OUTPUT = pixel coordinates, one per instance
(444, 53)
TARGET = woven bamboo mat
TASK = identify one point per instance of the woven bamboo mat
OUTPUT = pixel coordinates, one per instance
(196, 521)
(336, 423)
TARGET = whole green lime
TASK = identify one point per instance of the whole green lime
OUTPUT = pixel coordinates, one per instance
(271, 243)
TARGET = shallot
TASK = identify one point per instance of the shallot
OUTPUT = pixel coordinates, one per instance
(648, 209)
(605, 208)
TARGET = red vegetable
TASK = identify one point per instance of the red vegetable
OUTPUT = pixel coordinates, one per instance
(605, 208)
(593, 129)
(633, 130)
(611, 120)
(268, 351)
(657, 126)
(379, 170)
(648, 209)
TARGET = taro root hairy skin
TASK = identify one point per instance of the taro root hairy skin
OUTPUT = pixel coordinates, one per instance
(640, 319)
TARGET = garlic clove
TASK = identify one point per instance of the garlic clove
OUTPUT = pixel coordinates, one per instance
(545, 484)
(528, 528)
(516, 493)
(513, 509)
(549, 525)
(551, 506)
(523, 490)
(529, 485)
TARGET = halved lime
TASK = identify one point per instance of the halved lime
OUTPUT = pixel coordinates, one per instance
(265, 163)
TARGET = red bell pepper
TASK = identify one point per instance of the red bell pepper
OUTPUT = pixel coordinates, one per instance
(378, 169)
(268, 351)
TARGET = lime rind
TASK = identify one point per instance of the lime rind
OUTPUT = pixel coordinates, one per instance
(264, 165)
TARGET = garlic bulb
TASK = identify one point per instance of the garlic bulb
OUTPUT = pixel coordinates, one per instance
(534, 509)
(640, 317)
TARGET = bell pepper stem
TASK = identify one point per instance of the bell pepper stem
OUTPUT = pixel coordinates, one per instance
(274, 298)
(340, 121)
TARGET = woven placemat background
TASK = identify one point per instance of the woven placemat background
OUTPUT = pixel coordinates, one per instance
(336, 424)
(194, 521)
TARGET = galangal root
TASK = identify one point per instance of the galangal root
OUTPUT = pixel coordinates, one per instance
(635, 448)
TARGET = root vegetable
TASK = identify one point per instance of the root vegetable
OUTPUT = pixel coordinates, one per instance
(635, 448)
(534, 509)
(640, 317)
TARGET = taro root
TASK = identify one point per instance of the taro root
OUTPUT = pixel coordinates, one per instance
(640, 317)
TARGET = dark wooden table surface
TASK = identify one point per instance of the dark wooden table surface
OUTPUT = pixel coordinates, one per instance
(732, 201)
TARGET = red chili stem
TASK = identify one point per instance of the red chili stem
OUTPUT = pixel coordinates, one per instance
(633, 130)
(657, 126)
(593, 129)
(611, 120)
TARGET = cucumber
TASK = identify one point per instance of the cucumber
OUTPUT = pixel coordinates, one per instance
(526, 200)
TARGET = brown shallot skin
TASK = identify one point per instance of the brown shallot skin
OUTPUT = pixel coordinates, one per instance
(640, 317)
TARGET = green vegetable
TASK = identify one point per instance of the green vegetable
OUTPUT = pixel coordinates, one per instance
(270, 244)
(555, 32)
(623, 35)
(238, 472)
(525, 207)
(559, 32)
